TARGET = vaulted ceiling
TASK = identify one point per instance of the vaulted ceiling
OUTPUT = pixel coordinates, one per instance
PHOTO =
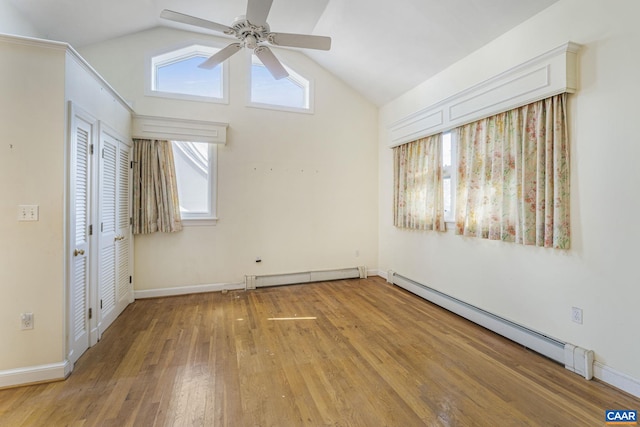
(382, 48)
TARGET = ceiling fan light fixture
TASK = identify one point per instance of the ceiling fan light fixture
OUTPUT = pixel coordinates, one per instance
(250, 41)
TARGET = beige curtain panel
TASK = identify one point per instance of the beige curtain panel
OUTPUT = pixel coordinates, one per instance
(418, 195)
(155, 194)
(513, 176)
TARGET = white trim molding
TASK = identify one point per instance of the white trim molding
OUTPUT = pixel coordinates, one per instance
(535, 340)
(174, 129)
(546, 75)
(574, 358)
(186, 290)
(617, 379)
(35, 374)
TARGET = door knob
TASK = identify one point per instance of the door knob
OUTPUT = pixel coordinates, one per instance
(77, 252)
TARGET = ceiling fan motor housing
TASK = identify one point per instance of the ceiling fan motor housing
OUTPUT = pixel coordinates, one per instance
(249, 33)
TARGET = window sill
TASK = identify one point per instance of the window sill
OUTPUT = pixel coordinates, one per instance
(280, 108)
(199, 222)
(186, 97)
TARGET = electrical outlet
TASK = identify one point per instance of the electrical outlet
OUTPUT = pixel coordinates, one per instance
(26, 321)
(576, 315)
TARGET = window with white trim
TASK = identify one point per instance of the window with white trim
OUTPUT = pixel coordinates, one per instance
(292, 93)
(176, 74)
(195, 165)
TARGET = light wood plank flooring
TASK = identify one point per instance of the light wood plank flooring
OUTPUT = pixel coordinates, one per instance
(343, 353)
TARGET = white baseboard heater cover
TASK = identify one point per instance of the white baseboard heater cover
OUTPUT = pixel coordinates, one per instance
(253, 282)
(575, 359)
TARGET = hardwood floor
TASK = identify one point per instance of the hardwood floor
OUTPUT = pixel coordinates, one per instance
(344, 353)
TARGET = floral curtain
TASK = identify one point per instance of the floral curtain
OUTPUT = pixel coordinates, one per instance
(418, 197)
(155, 192)
(513, 176)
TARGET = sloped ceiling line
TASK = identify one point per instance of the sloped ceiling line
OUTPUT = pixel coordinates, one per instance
(381, 48)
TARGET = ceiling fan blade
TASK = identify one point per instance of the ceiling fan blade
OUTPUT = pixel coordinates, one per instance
(192, 20)
(221, 56)
(257, 11)
(271, 62)
(300, 40)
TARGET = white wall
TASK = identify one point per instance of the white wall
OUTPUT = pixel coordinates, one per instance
(297, 190)
(12, 21)
(92, 94)
(32, 125)
(532, 286)
(31, 266)
(36, 81)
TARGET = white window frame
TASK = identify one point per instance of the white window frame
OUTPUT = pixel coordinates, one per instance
(298, 79)
(210, 217)
(450, 172)
(176, 54)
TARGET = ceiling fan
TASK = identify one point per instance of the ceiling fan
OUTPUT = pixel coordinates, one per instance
(252, 30)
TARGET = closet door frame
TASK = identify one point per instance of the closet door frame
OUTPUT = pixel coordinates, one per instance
(87, 311)
(124, 251)
(120, 239)
(79, 306)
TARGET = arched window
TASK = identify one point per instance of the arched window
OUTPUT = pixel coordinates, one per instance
(292, 93)
(175, 74)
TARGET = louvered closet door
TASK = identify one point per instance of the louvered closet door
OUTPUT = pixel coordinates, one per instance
(124, 289)
(114, 232)
(82, 129)
(107, 230)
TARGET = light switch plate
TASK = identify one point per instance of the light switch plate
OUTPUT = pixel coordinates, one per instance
(28, 213)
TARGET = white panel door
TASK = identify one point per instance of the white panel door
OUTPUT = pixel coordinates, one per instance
(81, 137)
(107, 230)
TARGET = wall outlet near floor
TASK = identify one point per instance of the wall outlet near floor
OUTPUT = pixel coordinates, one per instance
(576, 315)
(26, 321)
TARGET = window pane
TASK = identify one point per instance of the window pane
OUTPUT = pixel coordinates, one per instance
(192, 173)
(187, 78)
(284, 92)
(446, 184)
(446, 149)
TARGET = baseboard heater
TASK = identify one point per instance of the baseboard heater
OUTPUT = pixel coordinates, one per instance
(574, 358)
(253, 282)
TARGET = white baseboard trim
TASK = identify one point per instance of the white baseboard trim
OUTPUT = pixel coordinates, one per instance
(196, 289)
(35, 374)
(617, 379)
(574, 358)
(380, 273)
(541, 343)
(185, 290)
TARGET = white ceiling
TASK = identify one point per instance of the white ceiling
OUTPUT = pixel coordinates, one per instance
(382, 48)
